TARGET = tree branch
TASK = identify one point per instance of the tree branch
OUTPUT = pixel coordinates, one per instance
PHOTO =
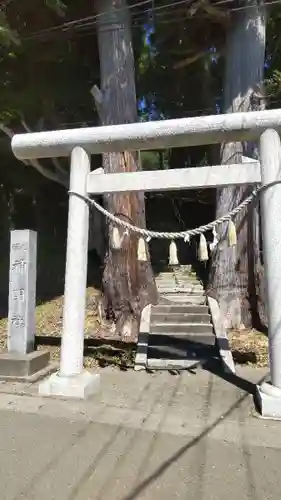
(58, 166)
(189, 60)
(55, 161)
(52, 176)
(6, 130)
(35, 163)
(98, 98)
(215, 13)
(25, 126)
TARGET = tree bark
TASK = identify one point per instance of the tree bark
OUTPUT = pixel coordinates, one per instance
(234, 270)
(128, 284)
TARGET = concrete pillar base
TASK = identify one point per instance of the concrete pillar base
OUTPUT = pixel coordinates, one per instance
(269, 401)
(78, 386)
(18, 366)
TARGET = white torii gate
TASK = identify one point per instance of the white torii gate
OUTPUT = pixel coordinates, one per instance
(263, 126)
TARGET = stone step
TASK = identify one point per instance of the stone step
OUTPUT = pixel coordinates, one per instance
(181, 328)
(181, 331)
(192, 281)
(176, 318)
(166, 284)
(182, 279)
(175, 288)
(175, 272)
(180, 345)
(187, 283)
(184, 268)
(199, 339)
(182, 299)
(177, 269)
(179, 283)
(171, 357)
(181, 290)
(173, 364)
(162, 281)
(182, 275)
(200, 342)
(179, 309)
(196, 339)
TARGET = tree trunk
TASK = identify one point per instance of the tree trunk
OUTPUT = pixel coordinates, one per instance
(128, 284)
(234, 269)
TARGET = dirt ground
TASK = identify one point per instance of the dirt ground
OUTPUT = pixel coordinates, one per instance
(101, 346)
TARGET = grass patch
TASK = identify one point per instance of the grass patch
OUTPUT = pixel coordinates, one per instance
(101, 348)
(249, 347)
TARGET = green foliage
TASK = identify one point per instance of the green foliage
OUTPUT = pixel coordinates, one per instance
(273, 58)
(8, 36)
(182, 76)
(58, 6)
(154, 160)
(273, 83)
(47, 81)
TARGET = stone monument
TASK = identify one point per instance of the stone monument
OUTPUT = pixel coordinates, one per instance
(22, 291)
(20, 360)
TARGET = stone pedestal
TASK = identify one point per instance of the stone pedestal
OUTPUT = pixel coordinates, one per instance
(23, 366)
(269, 401)
(79, 386)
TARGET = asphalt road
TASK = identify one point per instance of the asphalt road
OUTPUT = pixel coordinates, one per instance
(145, 436)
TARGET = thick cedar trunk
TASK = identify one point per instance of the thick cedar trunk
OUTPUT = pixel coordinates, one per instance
(128, 284)
(235, 269)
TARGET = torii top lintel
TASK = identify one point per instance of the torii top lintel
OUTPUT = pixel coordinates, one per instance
(193, 131)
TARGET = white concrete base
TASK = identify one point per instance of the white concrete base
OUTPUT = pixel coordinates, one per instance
(79, 387)
(139, 368)
(269, 400)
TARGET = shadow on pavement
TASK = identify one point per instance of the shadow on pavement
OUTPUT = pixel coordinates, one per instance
(215, 368)
(245, 385)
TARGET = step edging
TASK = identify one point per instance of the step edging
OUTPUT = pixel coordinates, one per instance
(143, 339)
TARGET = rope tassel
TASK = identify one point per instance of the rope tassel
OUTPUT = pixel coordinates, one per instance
(203, 249)
(116, 240)
(232, 236)
(215, 239)
(142, 255)
(173, 254)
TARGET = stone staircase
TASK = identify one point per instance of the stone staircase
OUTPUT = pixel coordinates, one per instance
(181, 286)
(177, 333)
